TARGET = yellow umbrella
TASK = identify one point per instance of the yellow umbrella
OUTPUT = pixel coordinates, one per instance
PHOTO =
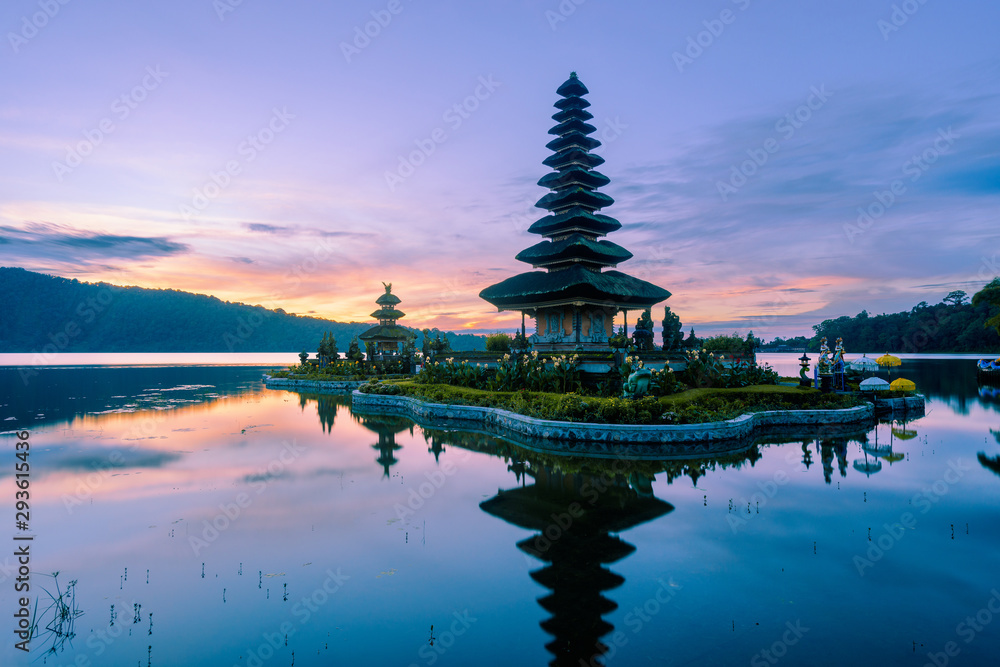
(888, 360)
(902, 384)
(904, 433)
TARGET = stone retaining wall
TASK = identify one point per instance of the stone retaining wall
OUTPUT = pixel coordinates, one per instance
(317, 386)
(903, 404)
(458, 416)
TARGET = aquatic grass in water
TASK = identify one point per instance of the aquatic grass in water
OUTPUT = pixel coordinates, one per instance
(55, 624)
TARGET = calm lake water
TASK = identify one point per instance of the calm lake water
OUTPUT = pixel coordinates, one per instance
(207, 520)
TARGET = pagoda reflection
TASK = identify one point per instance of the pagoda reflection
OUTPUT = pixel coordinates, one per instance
(574, 515)
(387, 427)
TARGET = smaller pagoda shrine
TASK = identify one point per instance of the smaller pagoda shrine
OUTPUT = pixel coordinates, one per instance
(387, 337)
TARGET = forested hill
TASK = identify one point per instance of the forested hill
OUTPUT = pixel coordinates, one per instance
(954, 325)
(46, 313)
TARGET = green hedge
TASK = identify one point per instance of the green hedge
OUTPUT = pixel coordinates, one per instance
(690, 407)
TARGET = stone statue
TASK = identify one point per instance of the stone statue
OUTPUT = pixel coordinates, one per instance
(643, 334)
(672, 334)
(838, 353)
(637, 384)
(387, 286)
(823, 365)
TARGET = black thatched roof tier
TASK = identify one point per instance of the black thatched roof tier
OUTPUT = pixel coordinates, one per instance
(573, 285)
(599, 547)
(572, 103)
(573, 139)
(388, 299)
(575, 220)
(617, 510)
(572, 87)
(387, 332)
(387, 314)
(573, 156)
(573, 125)
(575, 175)
(575, 248)
(567, 114)
(574, 196)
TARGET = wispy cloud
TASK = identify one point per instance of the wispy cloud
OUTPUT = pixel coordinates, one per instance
(63, 243)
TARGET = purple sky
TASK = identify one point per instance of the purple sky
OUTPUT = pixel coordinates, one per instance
(411, 156)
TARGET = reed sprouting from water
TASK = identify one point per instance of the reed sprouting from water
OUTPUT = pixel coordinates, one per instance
(55, 623)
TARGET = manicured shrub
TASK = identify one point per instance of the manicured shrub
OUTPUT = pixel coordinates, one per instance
(688, 407)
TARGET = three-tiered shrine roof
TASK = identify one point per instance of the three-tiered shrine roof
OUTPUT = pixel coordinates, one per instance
(387, 335)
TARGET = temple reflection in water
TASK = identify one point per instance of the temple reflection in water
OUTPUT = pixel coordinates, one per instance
(573, 515)
(577, 505)
(387, 427)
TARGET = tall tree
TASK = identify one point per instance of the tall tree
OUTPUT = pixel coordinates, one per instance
(990, 295)
(955, 298)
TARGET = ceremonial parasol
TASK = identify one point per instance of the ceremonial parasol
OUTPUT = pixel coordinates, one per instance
(902, 384)
(867, 467)
(864, 363)
(888, 360)
(874, 384)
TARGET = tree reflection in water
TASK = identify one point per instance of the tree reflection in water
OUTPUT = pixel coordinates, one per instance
(991, 463)
(326, 406)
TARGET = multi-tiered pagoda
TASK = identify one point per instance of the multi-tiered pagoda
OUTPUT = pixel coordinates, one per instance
(387, 337)
(574, 301)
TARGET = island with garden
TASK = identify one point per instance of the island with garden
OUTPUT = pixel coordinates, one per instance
(578, 375)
